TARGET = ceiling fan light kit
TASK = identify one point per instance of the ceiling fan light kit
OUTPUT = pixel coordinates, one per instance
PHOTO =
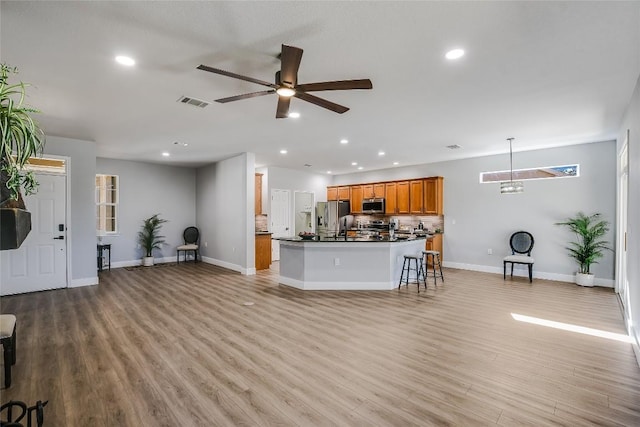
(511, 186)
(286, 85)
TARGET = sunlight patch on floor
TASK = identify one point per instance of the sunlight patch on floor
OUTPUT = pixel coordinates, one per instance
(572, 328)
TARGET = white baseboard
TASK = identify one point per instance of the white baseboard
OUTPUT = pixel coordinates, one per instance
(230, 266)
(337, 286)
(85, 281)
(523, 272)
(136, 262)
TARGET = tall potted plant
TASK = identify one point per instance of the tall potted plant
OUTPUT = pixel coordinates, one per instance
(589, 230)
(149, 237)
(22, 139)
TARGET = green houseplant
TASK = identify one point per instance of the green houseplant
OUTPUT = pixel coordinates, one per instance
(589, 247)
(22, 139)
(149, 237)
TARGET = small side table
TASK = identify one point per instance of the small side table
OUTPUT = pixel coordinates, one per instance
(102, 257)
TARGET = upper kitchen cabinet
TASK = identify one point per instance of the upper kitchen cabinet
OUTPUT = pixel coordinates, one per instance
(356, 199)
(332, 193)
(258, 190)
(416, 196)
(338, 193)
(390, 198)
(373, 191)
(433, 189)
(402, 197)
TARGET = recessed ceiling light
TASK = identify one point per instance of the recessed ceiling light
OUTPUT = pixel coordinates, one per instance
(283, 151)
(381, 153)
(396, 163)
(354, 163)
(294, 114)
(125, 60)
(165, 154)
(344, 141)
(360, 168)
(328, 171)
(455, 54)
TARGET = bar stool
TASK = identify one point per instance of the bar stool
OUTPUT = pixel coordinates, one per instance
(8, 340)
(406, 267)
(433, 256)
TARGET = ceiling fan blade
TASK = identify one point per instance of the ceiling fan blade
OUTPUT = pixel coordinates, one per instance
(235, 76)
(245, 96)
(321, 102)
(283, 107)
(290, 60)
(336, 85)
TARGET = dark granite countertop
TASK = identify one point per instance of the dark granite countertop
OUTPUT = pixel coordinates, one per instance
(349, 239)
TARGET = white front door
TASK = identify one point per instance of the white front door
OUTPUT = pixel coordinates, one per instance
(40, 263)
(280, 222)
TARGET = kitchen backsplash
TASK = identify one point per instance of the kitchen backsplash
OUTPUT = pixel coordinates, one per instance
(429, 222)
(262, 222)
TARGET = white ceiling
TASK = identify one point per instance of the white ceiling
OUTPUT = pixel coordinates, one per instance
(546, 73)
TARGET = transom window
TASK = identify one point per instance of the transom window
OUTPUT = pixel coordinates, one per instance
(566, 171)
(106, 204)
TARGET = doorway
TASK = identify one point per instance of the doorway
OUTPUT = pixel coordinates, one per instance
(280, 219)
(40, 263)
(303, 212)
(622, 281)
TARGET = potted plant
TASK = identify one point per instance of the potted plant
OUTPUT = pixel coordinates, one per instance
(149, 237)
(22, 139)
(589, 230)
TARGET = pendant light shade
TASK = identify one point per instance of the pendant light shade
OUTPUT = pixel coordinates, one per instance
(511, 186)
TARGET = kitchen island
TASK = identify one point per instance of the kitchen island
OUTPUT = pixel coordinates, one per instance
(344, 264)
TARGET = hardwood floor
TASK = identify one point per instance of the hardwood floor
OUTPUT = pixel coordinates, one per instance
(176, 346)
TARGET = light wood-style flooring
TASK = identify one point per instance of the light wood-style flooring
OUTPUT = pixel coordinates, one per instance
(176, 346)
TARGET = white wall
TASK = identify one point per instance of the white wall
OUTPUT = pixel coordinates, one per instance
(147, 189)
(294, 180)
(632, 122)
(225, 212)
(484, 219)
(81, 220)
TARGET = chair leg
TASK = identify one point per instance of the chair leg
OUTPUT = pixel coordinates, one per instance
(530, 273)
(402, 273)
(504, 270)
(13, 345)
(512, 270)
(8, 359)
(440, 268)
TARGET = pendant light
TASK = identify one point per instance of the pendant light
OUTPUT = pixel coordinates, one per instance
(511, 186)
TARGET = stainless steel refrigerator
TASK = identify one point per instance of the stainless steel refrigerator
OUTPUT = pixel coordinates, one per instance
(332, 218)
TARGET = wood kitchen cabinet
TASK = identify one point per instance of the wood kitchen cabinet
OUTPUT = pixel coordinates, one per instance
(402, 197)
(433, 200)
(435, 244)
(258, 190)
(263, 251)
(356, 199)
(332, 193)
(373, 191)
(416, 197)
(344, 193)
(390, 198)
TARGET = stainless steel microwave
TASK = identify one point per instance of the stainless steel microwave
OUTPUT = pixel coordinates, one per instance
(373, 206)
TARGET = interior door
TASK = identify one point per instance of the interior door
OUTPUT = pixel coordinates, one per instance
(280, 219)
(40, 263)
(622, 282)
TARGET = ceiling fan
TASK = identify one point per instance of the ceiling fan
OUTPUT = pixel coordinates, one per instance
(286, 85)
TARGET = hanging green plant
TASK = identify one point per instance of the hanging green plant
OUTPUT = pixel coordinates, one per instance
(22, 139)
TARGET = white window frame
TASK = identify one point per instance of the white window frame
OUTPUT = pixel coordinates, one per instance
(101, 202)
(521, 174)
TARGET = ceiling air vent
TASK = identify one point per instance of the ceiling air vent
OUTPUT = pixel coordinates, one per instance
(193, 101)
(453, 147)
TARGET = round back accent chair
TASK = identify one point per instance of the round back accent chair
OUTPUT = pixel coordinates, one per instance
(191, 236)
(521, 243)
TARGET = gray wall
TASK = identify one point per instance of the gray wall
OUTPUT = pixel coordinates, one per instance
(632, 122)
(81, 220)
(147, 189)
(225, 212)
(478, 217)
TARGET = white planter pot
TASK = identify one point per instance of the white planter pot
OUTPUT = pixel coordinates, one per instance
(147, 261)
(583, 279)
